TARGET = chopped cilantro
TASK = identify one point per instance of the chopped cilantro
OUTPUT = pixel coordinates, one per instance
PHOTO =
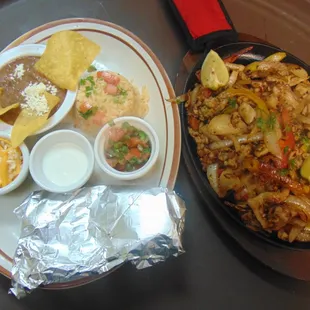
(116, 100)
(123, 92)
(268, 124)
(261, 123)
(146, 150)
(232, 102)
(284, 172)
(292, 163)
(142, 135)
(126, 125)
(91, 69)
(88, 90)
(88, 113)
(305, 140)
(124, 149)
(90, 79)
(133, 160)
(286, 149)
(271, 121)
(111, 123)
(288, 129)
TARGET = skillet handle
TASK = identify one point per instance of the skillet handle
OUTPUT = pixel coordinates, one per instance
(205, 23)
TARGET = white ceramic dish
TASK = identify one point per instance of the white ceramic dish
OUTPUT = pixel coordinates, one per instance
(101, 140)
(37, 50)
(23, 171)
(45, 144)
(125, 53)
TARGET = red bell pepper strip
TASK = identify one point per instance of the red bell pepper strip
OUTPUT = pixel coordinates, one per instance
(235, 56)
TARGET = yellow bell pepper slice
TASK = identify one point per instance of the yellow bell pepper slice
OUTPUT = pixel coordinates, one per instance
(305, 169)
(274, 57)
(252, 96)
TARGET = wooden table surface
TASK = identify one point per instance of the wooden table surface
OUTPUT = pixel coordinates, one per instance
(214, 273)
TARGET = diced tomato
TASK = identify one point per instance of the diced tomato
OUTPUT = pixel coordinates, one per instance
(284, 162)
(120, 167)
(288, 141)
(108, 77)
(84, 107)
(193, 122)
(133, 153)
(198, 75)
(111, 89)
(286, 119)
(145, 156)
(134, 141)
(116, 134)
(98, 118)
(206, 92)
(112, 162)
(219, 172)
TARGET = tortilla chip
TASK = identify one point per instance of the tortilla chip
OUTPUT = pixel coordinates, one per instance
(27, 124)
(67, 56)
(10, 107)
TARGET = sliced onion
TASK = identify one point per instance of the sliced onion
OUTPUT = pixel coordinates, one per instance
(241, 139)
(220, 144)
(212, 174)
(194, 94)
(295, 231)
(300, 203)
(236, 142)
(232, 78)
(304, 119)
(236, 67)
(272, 144)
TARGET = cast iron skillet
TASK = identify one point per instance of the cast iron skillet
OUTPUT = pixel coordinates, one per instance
(259, 52)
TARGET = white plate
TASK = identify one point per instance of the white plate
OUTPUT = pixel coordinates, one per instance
(122, 52)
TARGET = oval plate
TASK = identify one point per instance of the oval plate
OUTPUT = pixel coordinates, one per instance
(121, 52)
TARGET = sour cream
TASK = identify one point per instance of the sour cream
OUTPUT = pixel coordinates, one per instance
(64, 164)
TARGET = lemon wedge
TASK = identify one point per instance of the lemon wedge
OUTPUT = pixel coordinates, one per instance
(214, 73)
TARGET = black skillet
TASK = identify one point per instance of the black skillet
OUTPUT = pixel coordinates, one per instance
(292, 259)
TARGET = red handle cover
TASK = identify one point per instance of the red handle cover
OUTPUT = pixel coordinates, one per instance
(202, 16)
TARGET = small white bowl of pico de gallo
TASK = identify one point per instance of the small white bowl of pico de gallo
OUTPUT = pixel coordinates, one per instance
(127, 148)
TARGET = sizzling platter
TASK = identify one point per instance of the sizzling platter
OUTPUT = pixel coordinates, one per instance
(258, 53)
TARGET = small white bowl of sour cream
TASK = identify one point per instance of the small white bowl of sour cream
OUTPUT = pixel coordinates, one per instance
(62, 161)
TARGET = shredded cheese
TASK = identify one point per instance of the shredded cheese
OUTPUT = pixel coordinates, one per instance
(18, 72)
(10, 162)
(35, 100)
(51, 89)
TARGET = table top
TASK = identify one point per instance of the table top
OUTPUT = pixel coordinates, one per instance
(214, 273)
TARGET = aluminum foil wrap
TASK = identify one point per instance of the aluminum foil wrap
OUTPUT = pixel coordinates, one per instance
(66, 237)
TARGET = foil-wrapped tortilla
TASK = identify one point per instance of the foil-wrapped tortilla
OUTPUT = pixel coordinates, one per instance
(70, 236)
